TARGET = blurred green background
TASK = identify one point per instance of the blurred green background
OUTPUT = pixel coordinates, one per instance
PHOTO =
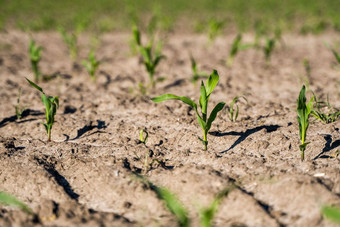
(305, 16)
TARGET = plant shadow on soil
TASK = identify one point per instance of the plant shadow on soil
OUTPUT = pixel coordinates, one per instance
(328, 147)
(244, 135)
(87, 128)
(25, 113)
(61, 180)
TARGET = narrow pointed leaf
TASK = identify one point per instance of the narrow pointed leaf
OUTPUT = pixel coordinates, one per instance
(213, 114)
(212, 82)
(331, 213)
(174, 206)
(165, 97)
(10, 200)
(35, 86)
(203, 99)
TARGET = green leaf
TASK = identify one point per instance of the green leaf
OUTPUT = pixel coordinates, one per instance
(213, 114)
(35, 86)
(158, 58)
(184, 99)
(174, 206)
(331, 213)
(10, 200)
(336, 55)
(208, 214)
(212, 82)
(203, 99)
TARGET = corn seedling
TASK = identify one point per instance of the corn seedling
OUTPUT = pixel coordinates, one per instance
(9, 200)
(308, 69)
(143, 138)
(331, 213)
(319, 114)
(195, 74)
(268, 48)
(215, 28)
(334, 52)
(206, 91)
(234, 49)
(303, 112)
(336, 55)
(35, 56)
(71, 42)
(91, 65)
(51, 105)
(207, 215)
(233, 113)
(180, 212)
(150, 58)
(19, 110)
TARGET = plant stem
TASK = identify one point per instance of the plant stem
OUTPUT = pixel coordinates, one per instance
(35, 70)
(205, 140)
(49, 134)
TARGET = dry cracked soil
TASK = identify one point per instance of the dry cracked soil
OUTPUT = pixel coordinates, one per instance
(86, 176)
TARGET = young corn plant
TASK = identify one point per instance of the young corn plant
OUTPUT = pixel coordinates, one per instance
(171, 201)
(204, 121)
(215, 28)
(207, 214)
(308, 70)
(51, 105)
(150, 58)
(303, 111)
(19, 110)
(71, 42)
(336, 55)
(268, 48)
(35, 56)
(319, 114)
(235, 48)
(331, 213)
(91, 65)
(143, 139)
(9, 200)
(233, 113)
(195, 74)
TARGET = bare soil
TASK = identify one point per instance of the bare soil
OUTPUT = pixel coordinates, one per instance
(86, 175)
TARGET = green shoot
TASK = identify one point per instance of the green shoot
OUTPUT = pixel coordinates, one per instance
(234, 49)
(268, 48)
(215, 28)
(35, 56)
(170, 200)
(203, 121)
(91, 65)
(174, 206)
(303, 112)
(331, 213)
(51, 105)
(207, 214)
(71, 42)
(308, 69)
(143, 139)
(233, 113)
(150, 58)
(336, 55)
(196, 75)
(19, 110)
(9, 200)
(326, 118)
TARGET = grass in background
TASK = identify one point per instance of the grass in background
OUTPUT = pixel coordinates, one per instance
(106, 15)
